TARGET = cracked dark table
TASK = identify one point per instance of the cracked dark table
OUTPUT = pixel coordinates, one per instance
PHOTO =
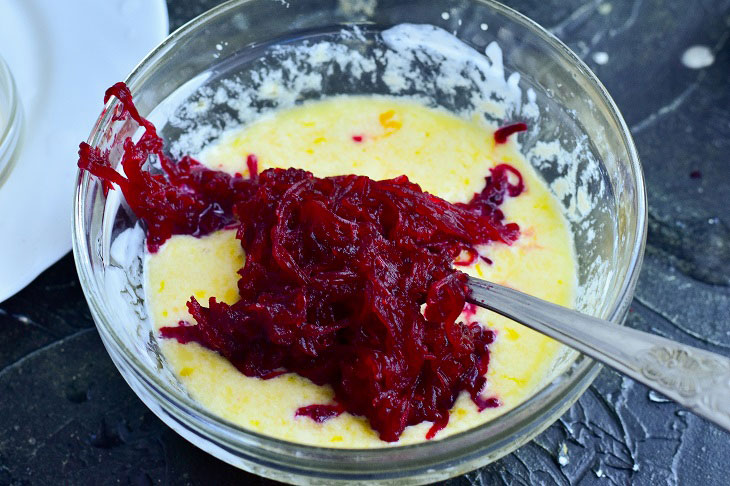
(67, 416)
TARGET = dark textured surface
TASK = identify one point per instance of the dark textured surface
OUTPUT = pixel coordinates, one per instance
(67, 416)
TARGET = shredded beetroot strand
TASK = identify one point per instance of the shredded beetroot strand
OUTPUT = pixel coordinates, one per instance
(337, 273)
(503, 133)
(471, 258)
(320, 413)
(187, 198)
(252, 162)
(441, 422)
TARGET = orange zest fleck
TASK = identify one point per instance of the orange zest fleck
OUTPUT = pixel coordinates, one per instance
(390, 122)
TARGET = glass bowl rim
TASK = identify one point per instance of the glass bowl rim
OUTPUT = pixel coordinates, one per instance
(555, 399)
(9, 84)
(9, 131)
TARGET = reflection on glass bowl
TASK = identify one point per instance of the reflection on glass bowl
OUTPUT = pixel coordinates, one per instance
(11, 122)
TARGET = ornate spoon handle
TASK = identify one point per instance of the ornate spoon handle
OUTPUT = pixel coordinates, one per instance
(696, 379)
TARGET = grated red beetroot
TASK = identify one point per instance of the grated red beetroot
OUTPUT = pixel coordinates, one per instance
(320, 413)
(503, 133)
(188, 198)
(337, 271)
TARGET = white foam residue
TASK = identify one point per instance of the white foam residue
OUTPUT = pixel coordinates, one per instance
(600, 57)
(698, 57)
(583, 202)
(572, 185)
(125, 247)
(547, 150)
(561, 188)
(321, 53)
(123, 277)
(530, 109)
(221, 96)
(199, 137)
(459, 65)
(580, 188)
(494, 53)
(356, 63)
(590, 235)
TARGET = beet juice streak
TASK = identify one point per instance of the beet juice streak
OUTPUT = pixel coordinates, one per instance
(337, 271)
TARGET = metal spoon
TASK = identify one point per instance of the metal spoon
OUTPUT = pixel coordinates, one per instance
(696, 379)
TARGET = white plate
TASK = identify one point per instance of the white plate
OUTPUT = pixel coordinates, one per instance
(63, 55)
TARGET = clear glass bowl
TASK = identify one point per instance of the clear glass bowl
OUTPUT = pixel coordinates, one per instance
(11, 122)
(576, 115)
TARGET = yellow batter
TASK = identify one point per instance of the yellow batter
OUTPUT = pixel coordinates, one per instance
(449, 157)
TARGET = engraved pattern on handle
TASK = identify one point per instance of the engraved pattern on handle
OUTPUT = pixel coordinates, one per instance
(701, 380)
(694, 378)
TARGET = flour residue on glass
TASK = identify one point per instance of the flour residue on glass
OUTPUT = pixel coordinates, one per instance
(421, 62)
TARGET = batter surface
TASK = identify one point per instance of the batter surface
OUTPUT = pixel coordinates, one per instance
(380, 138)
